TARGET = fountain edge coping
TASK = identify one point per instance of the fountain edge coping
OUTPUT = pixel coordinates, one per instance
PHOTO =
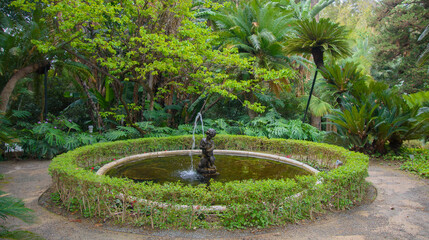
(103, 170)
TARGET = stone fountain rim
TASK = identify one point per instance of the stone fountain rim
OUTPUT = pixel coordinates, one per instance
(212, 208)
(134, 158)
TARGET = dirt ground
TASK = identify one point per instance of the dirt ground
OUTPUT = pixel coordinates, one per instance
(399, 210)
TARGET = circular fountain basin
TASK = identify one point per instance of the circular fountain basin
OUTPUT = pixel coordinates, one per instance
(173, 166)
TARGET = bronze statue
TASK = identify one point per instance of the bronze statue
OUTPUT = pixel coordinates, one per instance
(206, 166)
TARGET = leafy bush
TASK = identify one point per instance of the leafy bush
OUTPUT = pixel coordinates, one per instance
(248, 203)
(418, 162)
(371, 115)
(52, 137)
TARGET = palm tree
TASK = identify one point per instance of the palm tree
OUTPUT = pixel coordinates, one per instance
(257, 29)
(316, 38)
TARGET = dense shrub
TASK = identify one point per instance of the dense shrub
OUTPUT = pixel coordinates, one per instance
(248, 203)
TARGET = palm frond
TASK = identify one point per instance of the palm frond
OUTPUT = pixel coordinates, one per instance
(14, 207)
(319, 108)
(319, 7)
(6, 233)
(325, 34)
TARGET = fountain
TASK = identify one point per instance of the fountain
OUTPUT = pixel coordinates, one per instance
(206, 166)
(235, 165)
(160, 198)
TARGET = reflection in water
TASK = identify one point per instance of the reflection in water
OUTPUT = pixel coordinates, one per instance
(172, 169)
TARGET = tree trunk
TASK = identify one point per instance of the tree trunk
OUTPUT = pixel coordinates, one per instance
(395, 142)
(316, 122)
(379, 146)
(317, 54)
(10, 85)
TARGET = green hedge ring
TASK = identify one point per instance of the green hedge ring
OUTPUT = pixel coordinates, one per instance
(248, 203)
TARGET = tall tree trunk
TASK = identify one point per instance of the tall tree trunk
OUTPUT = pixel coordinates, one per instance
(10, 85)
(316, 122)
(317, 54)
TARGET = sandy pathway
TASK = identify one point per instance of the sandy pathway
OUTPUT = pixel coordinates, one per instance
(400, 211)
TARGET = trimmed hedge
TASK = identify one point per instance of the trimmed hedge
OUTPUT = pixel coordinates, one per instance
(249, 203)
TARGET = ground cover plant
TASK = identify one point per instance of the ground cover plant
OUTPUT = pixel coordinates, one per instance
(415, 160)
(249, 203)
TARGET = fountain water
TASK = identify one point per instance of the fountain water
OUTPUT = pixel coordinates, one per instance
(191, 174)
(200, 116)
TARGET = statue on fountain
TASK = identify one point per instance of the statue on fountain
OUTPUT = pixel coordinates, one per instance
(206, 166)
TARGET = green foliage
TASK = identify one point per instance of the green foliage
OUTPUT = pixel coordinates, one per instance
(417, 161)
(248, 203)
(324, 34)
(6, 132)
(398, 26)
(424, 56)
(354, 122)
(135, 42)
(355, 15)
(13, 207)
(10, 206)
(342, 78)
(372, 114)
(304, 9)
(257, 29)
(52, 137)
(273, 126)
(6, 233)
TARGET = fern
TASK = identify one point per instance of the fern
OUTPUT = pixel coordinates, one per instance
(20, 114)
(184, 129)
(6, 132)
(114, 135)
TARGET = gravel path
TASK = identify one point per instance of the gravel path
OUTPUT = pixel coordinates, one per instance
(400, 211)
